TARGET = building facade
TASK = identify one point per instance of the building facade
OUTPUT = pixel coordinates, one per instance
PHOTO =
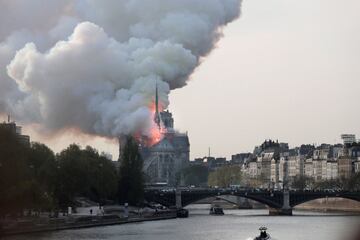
(164, 160)
(348, 138)
(331, 170)
(344, 167)
(17, 130)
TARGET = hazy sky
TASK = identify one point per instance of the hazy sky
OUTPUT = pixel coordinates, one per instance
(286, 70)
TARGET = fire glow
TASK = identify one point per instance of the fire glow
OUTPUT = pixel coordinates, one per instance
(155, 135)
(156, 132)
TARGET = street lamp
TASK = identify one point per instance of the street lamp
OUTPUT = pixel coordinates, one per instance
(101, 165)
(57, 190)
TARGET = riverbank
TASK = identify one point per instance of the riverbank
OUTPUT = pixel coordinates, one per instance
(26, 226)
(330, 204)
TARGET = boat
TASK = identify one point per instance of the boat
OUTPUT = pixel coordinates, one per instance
(263, 234)
(216, 210)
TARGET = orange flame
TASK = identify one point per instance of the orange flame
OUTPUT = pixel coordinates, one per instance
(152, 107)
(156, 134)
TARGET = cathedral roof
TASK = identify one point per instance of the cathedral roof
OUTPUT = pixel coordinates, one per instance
(163, 145)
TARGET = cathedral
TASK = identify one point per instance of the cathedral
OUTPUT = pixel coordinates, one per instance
(164, 160)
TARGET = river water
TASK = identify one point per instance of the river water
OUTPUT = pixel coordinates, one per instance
(235, 224)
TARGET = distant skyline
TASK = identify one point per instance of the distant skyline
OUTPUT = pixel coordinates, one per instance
(286, 70)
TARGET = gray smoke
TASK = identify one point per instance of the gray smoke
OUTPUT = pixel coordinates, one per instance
(92, 65)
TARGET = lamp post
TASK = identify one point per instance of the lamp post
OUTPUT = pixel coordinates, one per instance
(101, 166)
(57, 189)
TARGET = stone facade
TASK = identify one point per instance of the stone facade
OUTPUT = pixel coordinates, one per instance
(309, 169)
(164, 160)
(331, 170)
(253, 170)
(345, 167)
(357, 166)
(264, 164)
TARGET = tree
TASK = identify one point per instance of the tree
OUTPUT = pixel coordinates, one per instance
(195, 175)
(131, 176)
(254, 182)
(302, 182)
(84, 173)
(353, 183)
(329, 184)
(102, 175)
(72, 177)
(14, 172)
(32, 178)
(41, 161)
(225, 176)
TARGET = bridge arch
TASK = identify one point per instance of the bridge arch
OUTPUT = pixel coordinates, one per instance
(296, 199)
(271, 199)
(266, 201)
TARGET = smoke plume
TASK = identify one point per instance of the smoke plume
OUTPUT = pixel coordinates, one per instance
(93, 65)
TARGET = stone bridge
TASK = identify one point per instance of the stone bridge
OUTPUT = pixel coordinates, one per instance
(279, 202)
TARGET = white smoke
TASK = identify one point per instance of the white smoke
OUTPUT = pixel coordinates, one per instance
(92, 65)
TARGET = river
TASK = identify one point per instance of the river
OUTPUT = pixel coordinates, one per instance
(235, 224)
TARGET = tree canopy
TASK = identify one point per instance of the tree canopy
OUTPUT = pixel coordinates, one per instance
(196, 175)
(131, 176)
(84, 173)
(302, 182)
(32, 177)
(225, 176)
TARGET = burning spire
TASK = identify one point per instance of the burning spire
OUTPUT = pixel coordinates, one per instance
(157, 114)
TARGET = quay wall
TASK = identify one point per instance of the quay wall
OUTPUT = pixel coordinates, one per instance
(330, 204)
(85, 222)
